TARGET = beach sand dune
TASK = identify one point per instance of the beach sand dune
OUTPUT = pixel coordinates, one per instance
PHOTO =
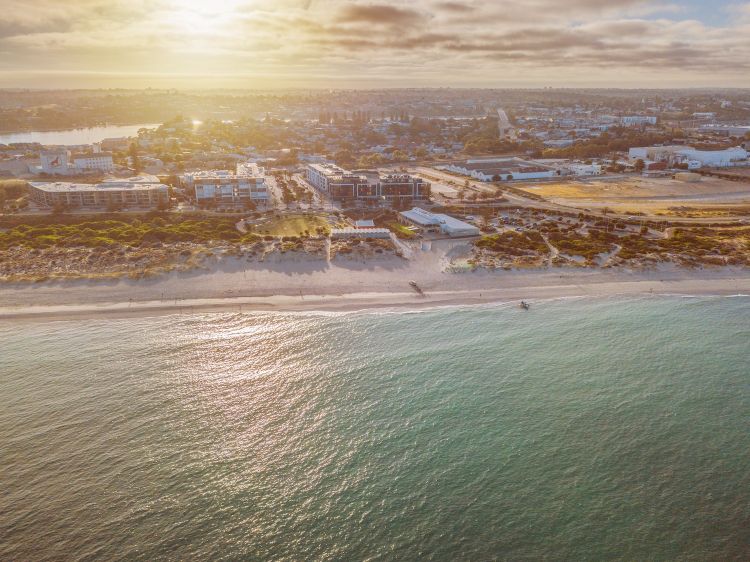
(237, 284)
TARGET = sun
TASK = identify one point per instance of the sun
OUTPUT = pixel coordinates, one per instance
(209, 7)
(205, 16)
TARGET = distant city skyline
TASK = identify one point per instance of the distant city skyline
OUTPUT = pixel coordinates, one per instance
(267, 44)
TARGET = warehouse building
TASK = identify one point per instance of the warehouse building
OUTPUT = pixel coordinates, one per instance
(694, 158)
(501, 169)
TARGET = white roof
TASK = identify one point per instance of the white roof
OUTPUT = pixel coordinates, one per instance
(137, 183)
(249, 169)
(446, 222)
(350, 230)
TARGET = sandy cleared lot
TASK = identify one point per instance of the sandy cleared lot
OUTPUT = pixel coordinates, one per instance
(651, 195)
(738, 172)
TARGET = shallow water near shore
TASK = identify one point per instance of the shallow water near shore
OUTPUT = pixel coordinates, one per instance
(579, 430)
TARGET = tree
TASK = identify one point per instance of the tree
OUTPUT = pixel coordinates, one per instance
(134, 160)
(640, 165)
(400, 156)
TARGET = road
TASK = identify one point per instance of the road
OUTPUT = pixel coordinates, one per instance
(321, 202)
(504, 125)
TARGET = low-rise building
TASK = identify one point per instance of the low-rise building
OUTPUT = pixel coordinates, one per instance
(54, 162)
(694, 158)
(725, 130)
(144, 191)
(96, 161)
(360, 233)
(437, 222)
(116, 143)
(501, 170)
(578, 169)
(638, 120)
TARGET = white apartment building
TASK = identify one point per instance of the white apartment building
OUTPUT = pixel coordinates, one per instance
(139, 192)
(248, 183)
(98, 161)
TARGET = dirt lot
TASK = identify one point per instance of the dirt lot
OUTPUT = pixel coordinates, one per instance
(743, 172)
(650, 195)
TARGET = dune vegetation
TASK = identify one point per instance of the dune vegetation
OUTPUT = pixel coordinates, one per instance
(137, 231)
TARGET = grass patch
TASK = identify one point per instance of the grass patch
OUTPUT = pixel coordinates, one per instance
(699, 244)
(294, 225)
(400, 230)
(514, 244)
(573, 244)
(135, 232)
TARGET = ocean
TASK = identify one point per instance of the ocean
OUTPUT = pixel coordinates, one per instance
(598, 429)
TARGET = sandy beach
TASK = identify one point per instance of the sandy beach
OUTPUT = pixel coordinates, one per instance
(346, 285)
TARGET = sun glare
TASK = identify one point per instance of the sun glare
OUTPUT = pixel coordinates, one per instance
(209, 7)
(204, 16)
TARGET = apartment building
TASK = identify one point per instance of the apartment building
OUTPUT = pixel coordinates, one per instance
(339, 183)
(101, 161)
(140, 192)
(342, 184)
(224, 187)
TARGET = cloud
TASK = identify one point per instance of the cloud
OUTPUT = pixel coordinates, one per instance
(444, 42)
(379, 14)
(455, 7)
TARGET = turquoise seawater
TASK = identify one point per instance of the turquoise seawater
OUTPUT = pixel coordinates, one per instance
(579, 430)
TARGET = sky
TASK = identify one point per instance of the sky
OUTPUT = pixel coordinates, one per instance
(267, 44)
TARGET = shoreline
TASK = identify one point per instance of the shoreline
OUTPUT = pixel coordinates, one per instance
(380, 301)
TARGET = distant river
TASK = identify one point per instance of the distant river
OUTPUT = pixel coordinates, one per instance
(75, 136)
(579, 430)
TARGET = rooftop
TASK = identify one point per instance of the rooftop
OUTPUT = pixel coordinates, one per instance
(426, 218)
(92, 155)
(399, 178)
(134, 184)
